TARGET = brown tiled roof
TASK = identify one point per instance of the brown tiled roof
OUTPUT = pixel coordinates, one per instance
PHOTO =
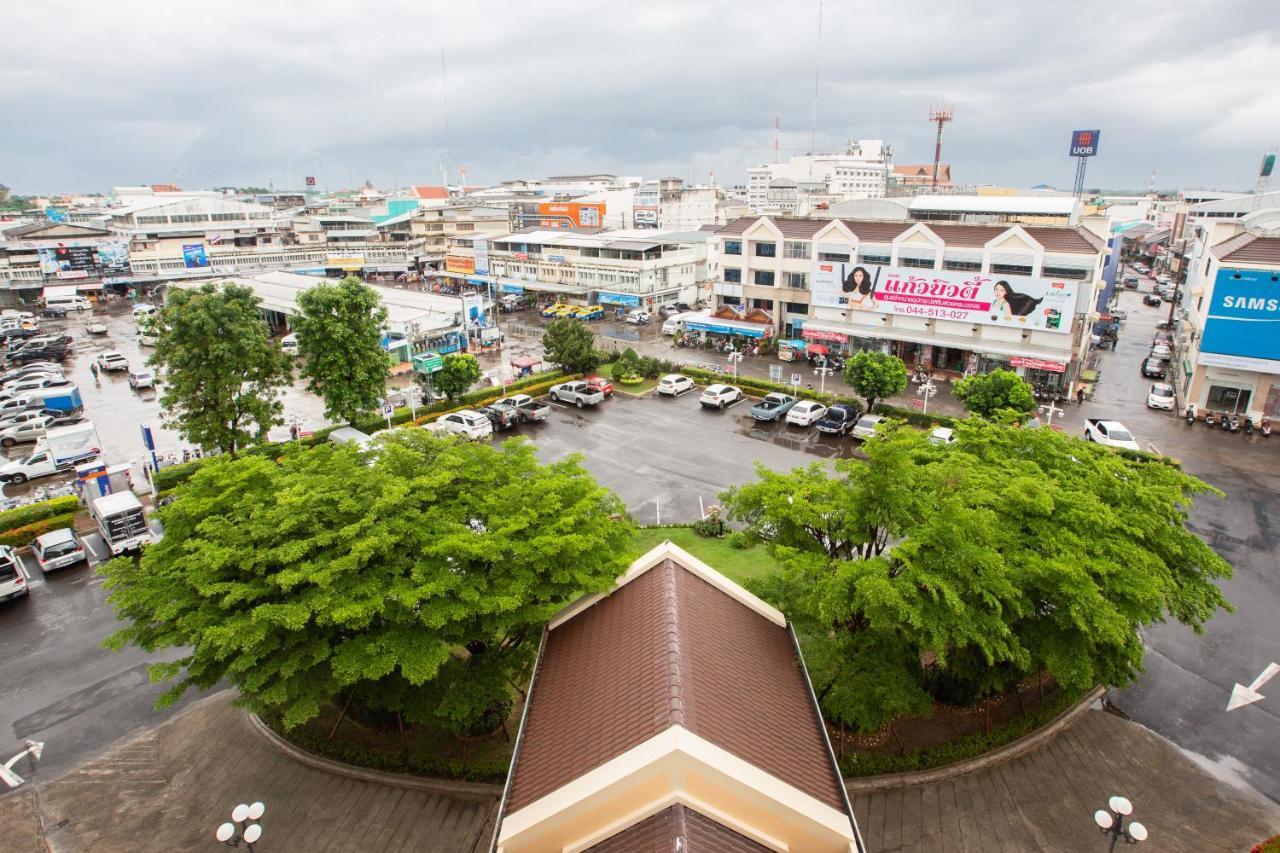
(1054, 238)
(670, 649)
(663, 831)
(1249, 248)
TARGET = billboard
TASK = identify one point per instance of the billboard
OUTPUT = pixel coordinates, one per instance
(1084, 143)
(646, 217)
(311, 180)
(194, 256)
(604, 297)
(1013, 301)
(1244, 318)
(571, 214)
(472, 309)
(459, 264)
(481, 248)
(56, 260)
(113, 258)
(345, 262)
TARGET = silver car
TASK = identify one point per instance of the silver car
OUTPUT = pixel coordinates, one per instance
(58, 549)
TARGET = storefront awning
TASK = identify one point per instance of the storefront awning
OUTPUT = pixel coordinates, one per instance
(717, 326)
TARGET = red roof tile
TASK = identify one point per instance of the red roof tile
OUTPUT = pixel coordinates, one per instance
(677, 829)
(1249, 249)
(431, 192)
(670, 649)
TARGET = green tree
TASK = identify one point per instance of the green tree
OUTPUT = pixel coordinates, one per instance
(222, 374)
(457, 373)
(340, 335)
(1000, 394)
(875, 375)
(1008, 553)
(570, 345)
(410, 580)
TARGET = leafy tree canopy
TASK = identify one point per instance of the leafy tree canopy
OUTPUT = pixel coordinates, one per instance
(949, 573)
(570, 345)
(998, 395)
(875, 375)
(340, 335)
(412, 579)
(222, 373)
(457, 373)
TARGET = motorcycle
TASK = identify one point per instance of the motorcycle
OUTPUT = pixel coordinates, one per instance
(1225, 421)
(1191, 414)
(1266, 426)
(1248, 424)
(1209, 418)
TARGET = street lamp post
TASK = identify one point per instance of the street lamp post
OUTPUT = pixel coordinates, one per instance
(927, 390)
(734, 358)
(1112, 822)
(231, 835)
(822, 373)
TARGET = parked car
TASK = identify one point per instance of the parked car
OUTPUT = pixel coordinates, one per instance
(639, 318)
(54, 312)
(587, 312)
(669, 311)
(139, 379)
(13, 577)
(18, 333)
(49, 340)
(526, 408)
(604, 386)
(554, 309)
(27, 430)
(113, 360)
(1162, 352)
(674, 384)
(34, 383)
(1131, 282)
(1160, 397)
(866, 426)
(719, 396)
(25, 356)
(773, 406)
(58, 549)
(467, 423)
(289, 344)
(1153, 368)
(96, 327)
(503, 418)
(1151, 299)
(579, 393)
(838, 419)
(1118, 314)
(805, 413)
(15, 418)
(30, 369)
(1109, 433)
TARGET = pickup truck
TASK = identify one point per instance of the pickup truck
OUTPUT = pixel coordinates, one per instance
(526, 408)
(503, 418)
(61, 449)
(772, 407)
(578, 392)
(1109, 433)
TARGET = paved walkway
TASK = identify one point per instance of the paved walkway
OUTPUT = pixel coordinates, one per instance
(1045, 800)
(169, 788)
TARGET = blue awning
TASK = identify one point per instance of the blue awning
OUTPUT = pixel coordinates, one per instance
(605, 297)
(744, 330)
(511, 288)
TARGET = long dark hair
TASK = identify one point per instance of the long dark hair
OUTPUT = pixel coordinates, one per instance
(1020, 304)
(850, 285)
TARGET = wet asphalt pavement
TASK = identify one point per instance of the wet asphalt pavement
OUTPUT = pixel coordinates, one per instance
(667, 458)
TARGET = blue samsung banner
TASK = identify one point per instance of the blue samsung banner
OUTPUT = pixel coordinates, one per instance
(1244, 316)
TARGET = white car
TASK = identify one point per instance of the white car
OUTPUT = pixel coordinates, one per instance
(57, 549)
(866, 426)
(139, 379)
(289, 344)
(639, 318)
(113, 361)
(805, 413)
(719, 396)
(674, 384)
(13, 578)
(1160, 396)
(1161, 352)
(1109, 434)
(467, 423)
(942, 436)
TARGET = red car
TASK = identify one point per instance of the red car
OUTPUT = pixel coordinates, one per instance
(604, 386)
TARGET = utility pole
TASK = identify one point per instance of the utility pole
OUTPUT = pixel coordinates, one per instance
(939, 116)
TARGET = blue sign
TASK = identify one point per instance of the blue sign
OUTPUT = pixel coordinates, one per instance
(54, 214)
(511, 288)
(479, 282)
(1084, 143)
(1244, 316)
(604, 297)
(194, 256)
(718, 329)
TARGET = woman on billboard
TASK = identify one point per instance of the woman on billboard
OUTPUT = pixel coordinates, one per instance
(1010, 303)
(859, 282)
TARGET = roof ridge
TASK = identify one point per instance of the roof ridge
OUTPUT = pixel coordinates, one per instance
(675, 659)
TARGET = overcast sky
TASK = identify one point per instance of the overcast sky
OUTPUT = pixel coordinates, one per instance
(258, 92)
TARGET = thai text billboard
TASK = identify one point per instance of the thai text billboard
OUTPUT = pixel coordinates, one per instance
(1015, 301)
(460, 264)
(571, 214)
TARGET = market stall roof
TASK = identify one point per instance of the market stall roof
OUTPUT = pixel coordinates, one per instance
(794, 343)
(703, 321)
(525, 361)
(819, 349)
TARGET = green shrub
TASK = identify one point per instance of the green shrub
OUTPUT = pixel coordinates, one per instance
(24, 515)
(649, 367)
(167, 478)
(741, 540)
(913, 417)
(19, 537)
(711, 528)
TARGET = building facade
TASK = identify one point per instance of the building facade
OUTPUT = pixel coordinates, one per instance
(862, 171)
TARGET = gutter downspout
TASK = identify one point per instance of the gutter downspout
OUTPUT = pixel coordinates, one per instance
(515, 752)
(826, 740)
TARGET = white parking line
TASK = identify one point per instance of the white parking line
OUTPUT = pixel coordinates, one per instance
(88, 544)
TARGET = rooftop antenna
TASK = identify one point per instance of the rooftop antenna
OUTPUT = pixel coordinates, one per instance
(940, 116)
(817, 75)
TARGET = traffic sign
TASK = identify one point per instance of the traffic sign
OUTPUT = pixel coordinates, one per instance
(917, 404)
(775, 372)
(796, 379)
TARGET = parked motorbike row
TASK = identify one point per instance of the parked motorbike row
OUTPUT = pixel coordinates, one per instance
(1230, 421)
(38, 494)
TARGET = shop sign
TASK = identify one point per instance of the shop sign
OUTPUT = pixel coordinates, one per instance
(1037, 364)
(606, 298)
(459, 264)
(1238, 362)
(481, 249)
(345, 262)
(520, 256)
(428, 362)
(556, 259)
(820, 335)
(60, 259)
(1012, 301)
(1244, 316)
(72, 274)
(195, 257)
(511, 288)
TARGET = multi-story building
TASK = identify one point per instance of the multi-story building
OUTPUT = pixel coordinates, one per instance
(35, 254)
(959, 298)
(638, 268)
(862, 171)
(424, 232)
(909, 179)
(1227, 349)
(1039, 209)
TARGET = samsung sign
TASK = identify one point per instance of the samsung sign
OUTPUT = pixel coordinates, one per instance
(1243, 325)
(1084, 143)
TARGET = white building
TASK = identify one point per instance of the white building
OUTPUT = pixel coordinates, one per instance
(862, 171)
(1039, 209)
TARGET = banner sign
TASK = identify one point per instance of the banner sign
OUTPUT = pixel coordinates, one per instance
(1037, 364)
(604, 297)
(114, 258)
(473, 309)
(820, 335)
(1013, 301)
(459, 264)
(481, 248)
(1084, 143)
(645, 217)
(345, 262)
(194, 256)
(511, 288)
(60, 259)
(311, 180)
(1244, 315)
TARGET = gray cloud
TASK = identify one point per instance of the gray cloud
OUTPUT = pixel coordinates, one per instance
(253, 92)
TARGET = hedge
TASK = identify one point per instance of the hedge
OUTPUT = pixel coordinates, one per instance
(913, 417)
(25, 515)
(19, 537)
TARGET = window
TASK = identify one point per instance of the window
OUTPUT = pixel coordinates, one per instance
(832, 256)
(797, 308)
(730, 300)
(766, 304)
(733, 247)
(763, 278)
(1010, 269)
(796, 280)
(796, 249)
(966, 266)
(766, 250)
(732, 275)
(1065, 272)
(152, 220)
(918, 263)
(872, 259)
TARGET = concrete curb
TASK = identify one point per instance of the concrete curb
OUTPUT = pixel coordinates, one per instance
(480, 791)
(1021, 746)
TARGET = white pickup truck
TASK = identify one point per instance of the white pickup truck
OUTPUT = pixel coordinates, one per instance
(1109, 433)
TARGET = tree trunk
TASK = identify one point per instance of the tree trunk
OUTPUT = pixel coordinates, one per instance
(343, 713)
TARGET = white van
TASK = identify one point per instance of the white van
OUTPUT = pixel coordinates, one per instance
(71, 301)
(673, 324)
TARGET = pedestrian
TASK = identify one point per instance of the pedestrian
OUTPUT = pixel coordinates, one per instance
(93, 367)
(1080, 395)
(293, 431)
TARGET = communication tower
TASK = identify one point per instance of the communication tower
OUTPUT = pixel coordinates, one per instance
(939, 116)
